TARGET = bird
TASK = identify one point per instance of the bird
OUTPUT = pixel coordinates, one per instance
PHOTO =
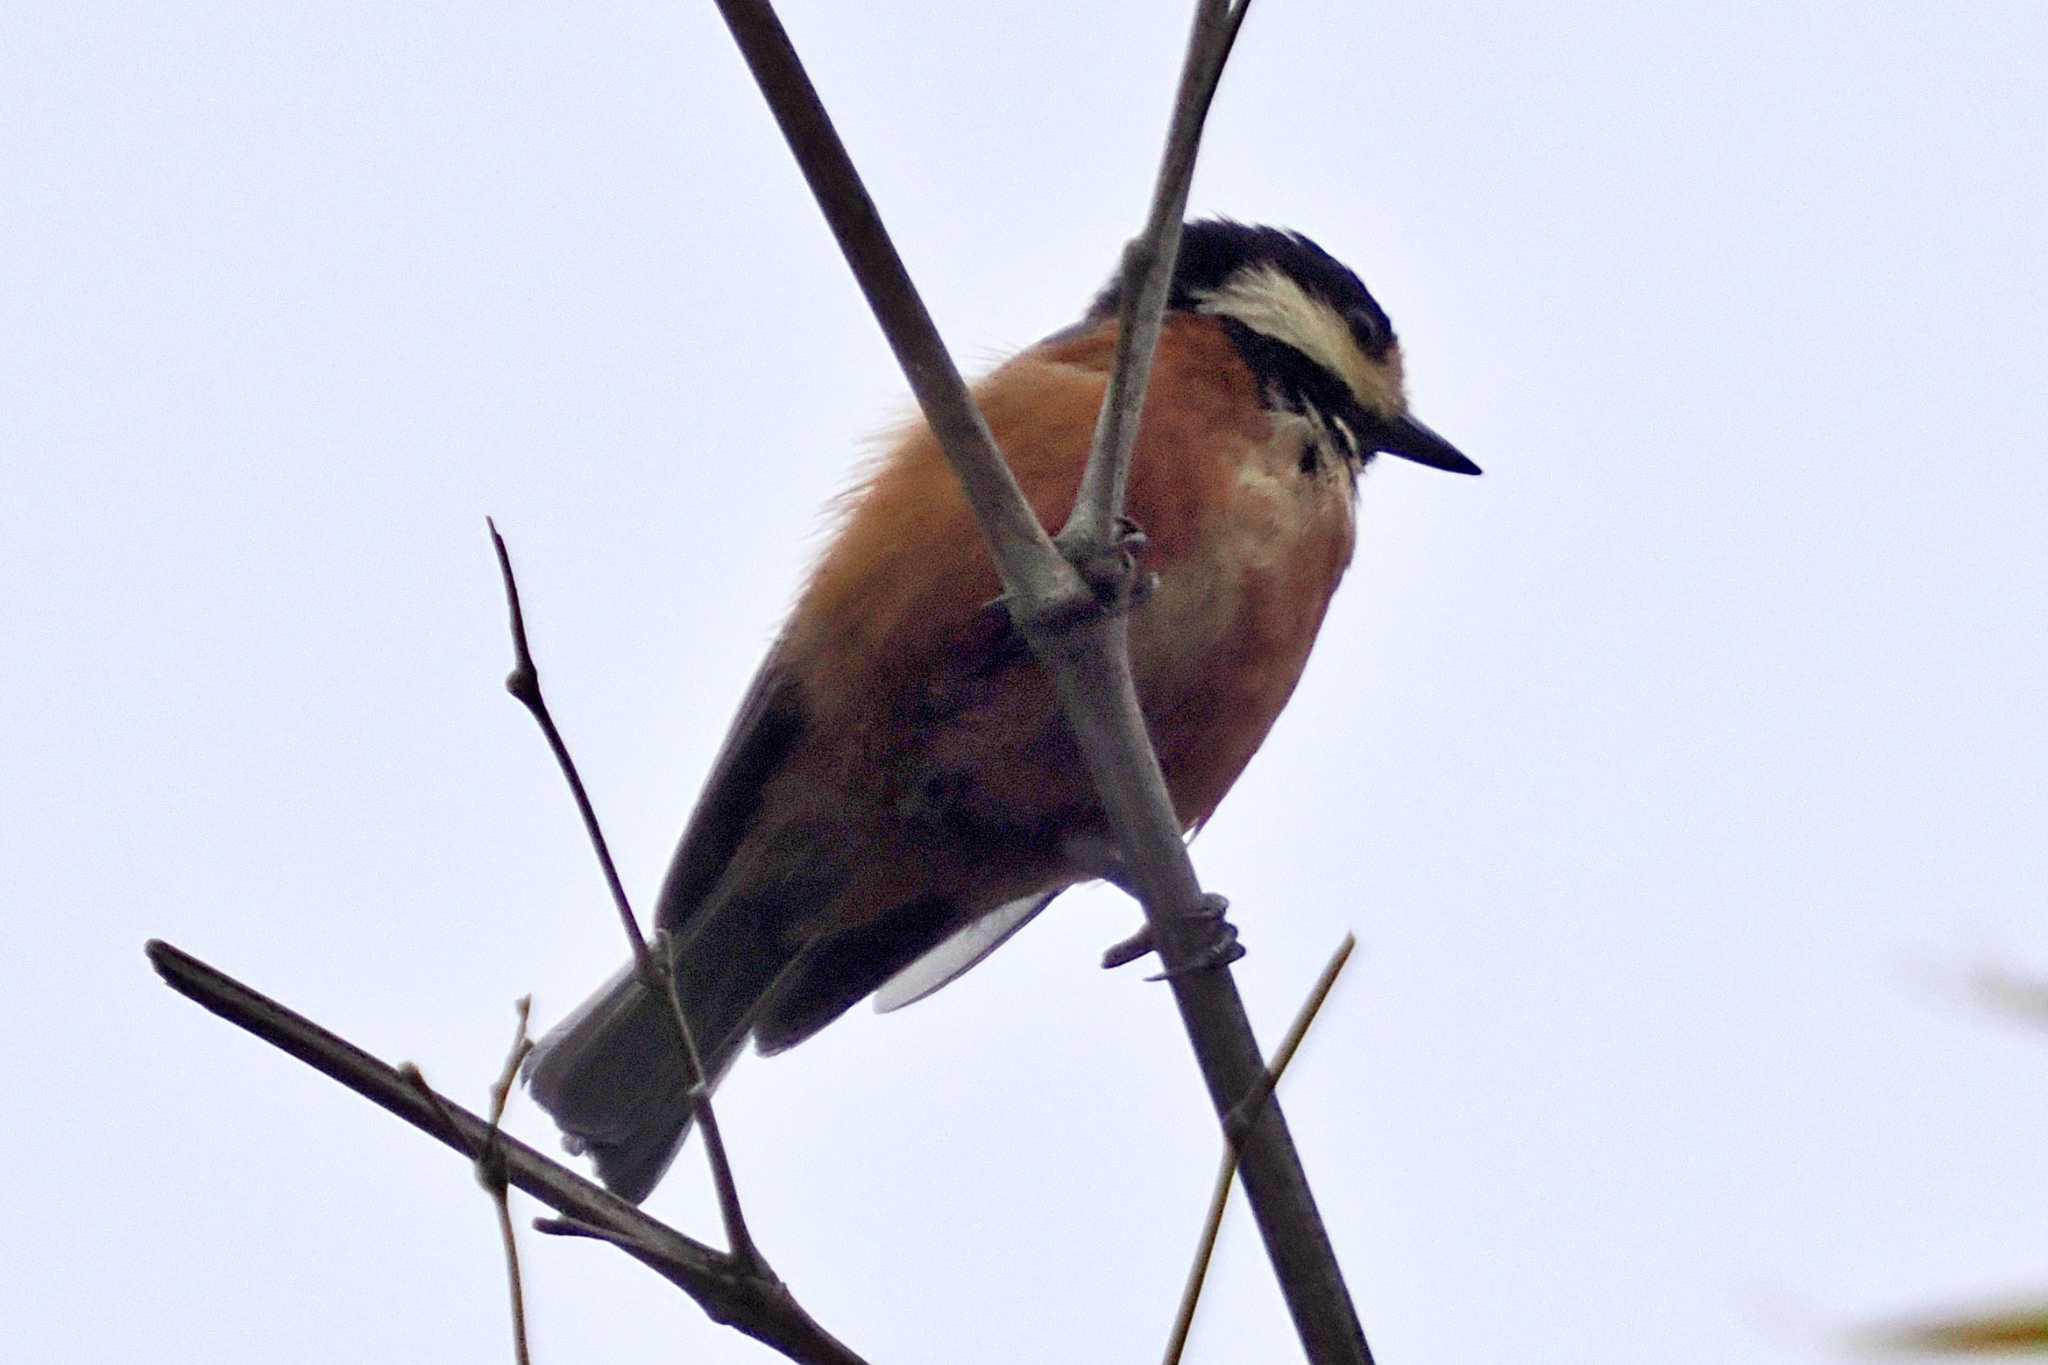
(898, 793)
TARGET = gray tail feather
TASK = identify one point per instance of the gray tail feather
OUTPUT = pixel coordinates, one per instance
(610, 1073)
(611, 1077)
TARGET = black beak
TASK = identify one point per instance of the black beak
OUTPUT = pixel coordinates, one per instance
(1408, 438)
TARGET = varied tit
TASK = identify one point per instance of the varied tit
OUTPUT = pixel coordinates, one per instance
(899, 792)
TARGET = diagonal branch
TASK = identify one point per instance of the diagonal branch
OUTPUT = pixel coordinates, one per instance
(1032, 572)
(523, 682)
(1085, 650)
(727, 1289)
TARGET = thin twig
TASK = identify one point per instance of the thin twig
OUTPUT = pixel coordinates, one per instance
(491, 1169)
(488, 1161)
(1147, 274)
(1226, 1171)
(728, 1291)
(523, 682)
(1087, 657)
(2010, 1332)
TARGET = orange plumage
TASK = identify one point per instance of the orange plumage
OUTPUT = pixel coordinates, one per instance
(900, 772)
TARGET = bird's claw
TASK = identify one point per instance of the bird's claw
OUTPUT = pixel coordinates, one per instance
(1220, 951)
(1143, 585)
(1131, 537)
(1111, 569)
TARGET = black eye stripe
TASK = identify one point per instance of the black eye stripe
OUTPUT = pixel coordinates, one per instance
(1290, 379)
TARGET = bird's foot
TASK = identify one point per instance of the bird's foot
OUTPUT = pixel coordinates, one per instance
(1111, 569)
(1221, 949)
(1110, 573)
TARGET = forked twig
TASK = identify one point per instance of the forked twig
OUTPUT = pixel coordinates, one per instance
(1226, 1171)
(523, 682)
(1085, 650)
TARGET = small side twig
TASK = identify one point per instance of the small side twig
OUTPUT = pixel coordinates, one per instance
(728, 1292)
(1226, 1171)
(489, 1159)
(523, 682)
(491, 1170)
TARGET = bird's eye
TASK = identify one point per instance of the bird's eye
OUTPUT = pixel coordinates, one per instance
(1370, 331)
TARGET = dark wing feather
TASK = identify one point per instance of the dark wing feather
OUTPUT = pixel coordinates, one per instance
(770, 722)
(836, 971)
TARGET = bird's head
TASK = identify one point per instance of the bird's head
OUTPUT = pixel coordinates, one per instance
(1319, 343)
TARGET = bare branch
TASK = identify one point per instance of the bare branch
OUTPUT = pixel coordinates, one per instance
(1085, 651)
(1147, 273)
(729, 1290)
(1032, 573)
(491, 1167)
(1102, 707)
(1219, 1197)
(501, 1093)
(523, 682)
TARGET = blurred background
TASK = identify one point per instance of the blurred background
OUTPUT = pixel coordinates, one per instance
(1674, 776)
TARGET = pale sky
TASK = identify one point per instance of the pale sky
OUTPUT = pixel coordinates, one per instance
(1673, 775)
